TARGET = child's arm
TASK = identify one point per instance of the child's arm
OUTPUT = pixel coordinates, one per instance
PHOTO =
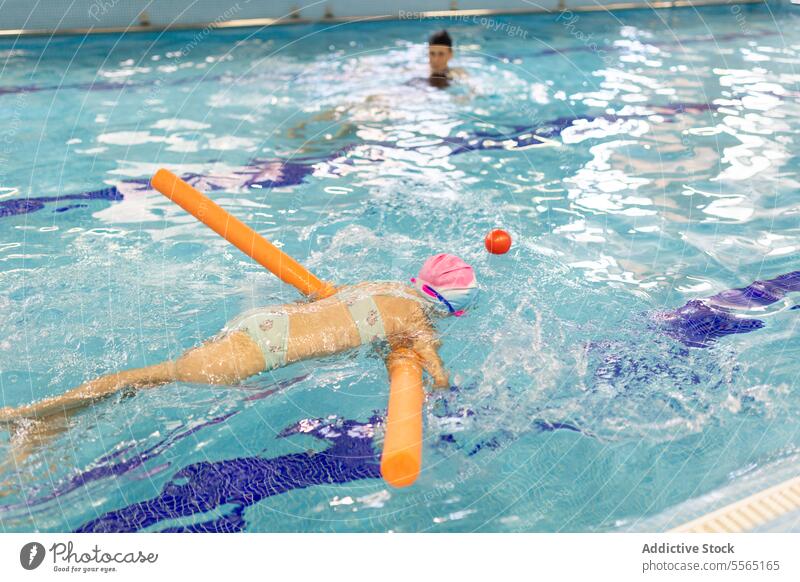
(408, 326)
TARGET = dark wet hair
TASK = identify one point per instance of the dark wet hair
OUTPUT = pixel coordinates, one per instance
(441, 38)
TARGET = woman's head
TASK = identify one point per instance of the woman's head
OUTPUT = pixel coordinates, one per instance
(448, 282)
(440, 51)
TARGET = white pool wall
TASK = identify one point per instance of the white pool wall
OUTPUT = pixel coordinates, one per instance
(99, 15)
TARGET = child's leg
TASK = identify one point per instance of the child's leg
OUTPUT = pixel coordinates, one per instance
(223, 361)
(93, 390)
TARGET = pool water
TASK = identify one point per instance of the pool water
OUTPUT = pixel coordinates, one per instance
(640, 160)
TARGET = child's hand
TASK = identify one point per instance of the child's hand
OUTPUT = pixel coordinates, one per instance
(441, 380)
(7, 415)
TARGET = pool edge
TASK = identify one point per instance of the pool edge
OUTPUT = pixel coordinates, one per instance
(749, 513)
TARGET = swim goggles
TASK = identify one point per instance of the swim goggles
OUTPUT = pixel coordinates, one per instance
(427, 289)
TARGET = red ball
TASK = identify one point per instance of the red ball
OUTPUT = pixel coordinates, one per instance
(498, 242)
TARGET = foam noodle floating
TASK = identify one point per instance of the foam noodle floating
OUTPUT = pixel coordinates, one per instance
(402, 449)
(402, 443)
(239, 235)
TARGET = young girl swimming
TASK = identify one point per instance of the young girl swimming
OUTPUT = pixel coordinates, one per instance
(271, 337)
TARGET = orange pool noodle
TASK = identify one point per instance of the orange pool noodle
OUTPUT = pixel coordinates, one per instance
(402, 445)
(402, 448)
(239, 234)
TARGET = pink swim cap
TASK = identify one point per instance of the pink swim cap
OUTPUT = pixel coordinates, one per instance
(448, 281)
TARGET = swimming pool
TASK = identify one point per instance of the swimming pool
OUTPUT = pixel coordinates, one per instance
(640, 160)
